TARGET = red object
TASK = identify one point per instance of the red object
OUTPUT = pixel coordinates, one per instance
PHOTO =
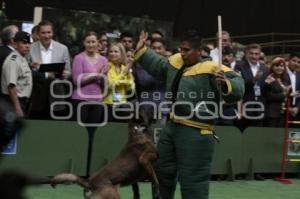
(284, 161)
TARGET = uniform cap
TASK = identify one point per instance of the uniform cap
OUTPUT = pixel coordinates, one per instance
(22, 36)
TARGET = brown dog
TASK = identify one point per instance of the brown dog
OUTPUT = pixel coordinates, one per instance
(133, 164)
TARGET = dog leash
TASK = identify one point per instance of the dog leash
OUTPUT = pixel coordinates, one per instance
(217, 138)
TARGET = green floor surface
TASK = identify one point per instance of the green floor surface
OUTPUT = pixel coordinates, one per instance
(267, 189)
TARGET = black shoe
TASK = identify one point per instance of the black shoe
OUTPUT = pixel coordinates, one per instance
(240, 177)
(259, 177)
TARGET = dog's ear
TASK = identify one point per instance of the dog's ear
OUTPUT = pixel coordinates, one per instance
(131, 124)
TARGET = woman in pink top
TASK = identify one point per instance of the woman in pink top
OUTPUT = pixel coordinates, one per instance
(88, 71)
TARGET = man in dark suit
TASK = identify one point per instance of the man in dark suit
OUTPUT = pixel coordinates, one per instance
(7, 35)
(293, 79)
(254, 74)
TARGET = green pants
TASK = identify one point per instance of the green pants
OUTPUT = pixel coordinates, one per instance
(184, 155)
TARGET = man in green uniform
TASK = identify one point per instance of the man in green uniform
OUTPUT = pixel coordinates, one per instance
(185, 146)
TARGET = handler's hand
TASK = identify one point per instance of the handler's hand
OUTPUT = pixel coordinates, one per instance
(220, 76)
(142, 41)
(221, 79)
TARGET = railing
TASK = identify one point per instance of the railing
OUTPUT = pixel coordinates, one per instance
(272, 43)
(43, 143)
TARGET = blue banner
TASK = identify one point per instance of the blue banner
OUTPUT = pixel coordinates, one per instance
(11, 148)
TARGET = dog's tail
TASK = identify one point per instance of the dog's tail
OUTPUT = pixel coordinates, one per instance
(69, 178)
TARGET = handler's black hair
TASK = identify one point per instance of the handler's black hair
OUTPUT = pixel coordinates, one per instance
(193, 37)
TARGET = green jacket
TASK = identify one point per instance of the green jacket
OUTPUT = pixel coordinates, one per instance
(198, 94)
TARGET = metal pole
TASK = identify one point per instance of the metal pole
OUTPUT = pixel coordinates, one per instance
(91, 134)
(220, 42)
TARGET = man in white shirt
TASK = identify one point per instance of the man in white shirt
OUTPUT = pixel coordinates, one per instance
(46, 51)
(254, 74)
(226, 42)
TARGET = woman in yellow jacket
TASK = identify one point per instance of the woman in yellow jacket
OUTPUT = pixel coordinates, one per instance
(120, 80)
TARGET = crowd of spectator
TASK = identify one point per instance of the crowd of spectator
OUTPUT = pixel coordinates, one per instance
(105, 72)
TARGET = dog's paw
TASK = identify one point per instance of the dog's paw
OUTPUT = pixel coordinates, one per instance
(157, 195)
(64, 178)
(53, 185)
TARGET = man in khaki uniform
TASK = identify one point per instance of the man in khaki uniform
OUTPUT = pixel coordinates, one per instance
(16, 80)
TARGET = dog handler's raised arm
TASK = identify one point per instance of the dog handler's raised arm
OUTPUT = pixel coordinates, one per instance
(153, 63)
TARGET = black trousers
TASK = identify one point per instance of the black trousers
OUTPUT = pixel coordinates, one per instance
(89, 113)
(24, 101)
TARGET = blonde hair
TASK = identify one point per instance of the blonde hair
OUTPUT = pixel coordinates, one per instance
(122, 51)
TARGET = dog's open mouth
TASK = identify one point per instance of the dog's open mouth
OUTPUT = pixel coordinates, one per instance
(141, 128)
